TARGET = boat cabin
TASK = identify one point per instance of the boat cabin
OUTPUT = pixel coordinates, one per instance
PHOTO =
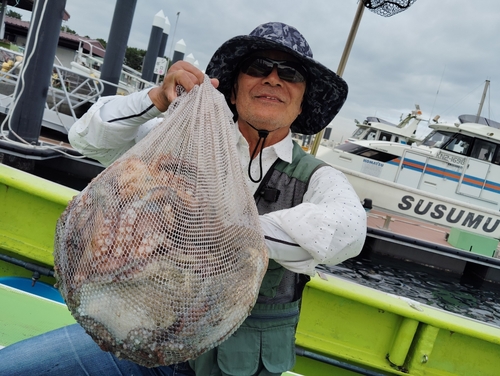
(482, 143)
(365, 131)
(475, 140)
(375, 128)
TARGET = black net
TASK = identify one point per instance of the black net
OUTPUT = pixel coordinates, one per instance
(387, 8)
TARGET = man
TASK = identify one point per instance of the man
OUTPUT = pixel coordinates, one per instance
(309, 213)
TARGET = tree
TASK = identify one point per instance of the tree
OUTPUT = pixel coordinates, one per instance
(68, 30)
(102, 41)
(11, 13)
(134, 57)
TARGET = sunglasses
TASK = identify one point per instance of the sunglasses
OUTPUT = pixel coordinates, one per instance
(258, 66)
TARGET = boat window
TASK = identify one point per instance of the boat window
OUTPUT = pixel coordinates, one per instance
(357, 133)
(377, 155)
(437, 139)
(385, 136)
(496, 157)
(371, 135)
(459, 143)
(483, 150)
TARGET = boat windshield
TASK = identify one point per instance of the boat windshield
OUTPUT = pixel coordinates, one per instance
(459, 143)
(358, 132)
(436, 139)
(451, 141)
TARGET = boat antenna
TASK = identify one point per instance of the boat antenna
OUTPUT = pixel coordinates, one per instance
(437, 93)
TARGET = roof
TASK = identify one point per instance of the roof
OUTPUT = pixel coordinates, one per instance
(479, 120)
(375, 119)
(67, 40)
(88, 43)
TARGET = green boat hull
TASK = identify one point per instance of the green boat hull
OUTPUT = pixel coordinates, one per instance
(389, 334)
(344, 329)
(29, 209)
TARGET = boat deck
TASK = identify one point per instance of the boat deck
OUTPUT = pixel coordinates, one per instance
(402, 237)
(407, 226)
(24, 315)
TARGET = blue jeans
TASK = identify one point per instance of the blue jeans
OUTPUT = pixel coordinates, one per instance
(71, 351)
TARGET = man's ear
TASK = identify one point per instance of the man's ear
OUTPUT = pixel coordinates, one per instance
(234, 89)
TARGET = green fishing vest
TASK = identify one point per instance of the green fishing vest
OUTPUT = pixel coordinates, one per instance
(264, 344)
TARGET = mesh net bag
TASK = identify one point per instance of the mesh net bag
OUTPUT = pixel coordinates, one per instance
(160, 258)
(388, 8)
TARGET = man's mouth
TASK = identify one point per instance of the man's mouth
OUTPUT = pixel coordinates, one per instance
(269, 97)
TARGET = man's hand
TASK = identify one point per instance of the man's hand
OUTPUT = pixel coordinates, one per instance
(181, 73)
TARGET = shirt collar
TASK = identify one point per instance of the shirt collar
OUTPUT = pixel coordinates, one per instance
(282, 150)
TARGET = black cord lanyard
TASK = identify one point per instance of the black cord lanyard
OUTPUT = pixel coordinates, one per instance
(262, 136)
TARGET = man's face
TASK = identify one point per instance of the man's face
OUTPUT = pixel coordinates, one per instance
(268, 103)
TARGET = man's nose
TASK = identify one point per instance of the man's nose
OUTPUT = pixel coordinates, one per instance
(273, 77)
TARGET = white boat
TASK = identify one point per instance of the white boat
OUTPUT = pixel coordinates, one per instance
(374, 128)
(452, 178)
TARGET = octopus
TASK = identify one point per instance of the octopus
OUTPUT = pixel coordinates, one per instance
(150, 268)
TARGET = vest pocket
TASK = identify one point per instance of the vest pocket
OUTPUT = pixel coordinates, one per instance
(240, 353)
(267, 344)
(272, 279)
(278, 349)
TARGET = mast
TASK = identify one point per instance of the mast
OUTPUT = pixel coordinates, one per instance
(486, 85)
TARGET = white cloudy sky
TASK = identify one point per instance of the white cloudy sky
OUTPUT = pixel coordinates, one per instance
(437, 54)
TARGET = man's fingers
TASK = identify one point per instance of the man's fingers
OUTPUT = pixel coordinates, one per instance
(187, 74)
(215, 82)
(181, 73)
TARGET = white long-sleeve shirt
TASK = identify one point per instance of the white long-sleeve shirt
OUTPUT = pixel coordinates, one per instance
(327, 228)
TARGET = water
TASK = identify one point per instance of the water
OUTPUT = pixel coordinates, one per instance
(425, 285)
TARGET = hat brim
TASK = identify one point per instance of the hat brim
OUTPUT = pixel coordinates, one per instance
(326, 91)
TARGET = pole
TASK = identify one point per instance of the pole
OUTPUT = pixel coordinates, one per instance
(153, 46)
(164, 38)
(350, 38)
(3, 10)
(173, 40)
(163, 45)
(486, 85)
(179, 51)
(25, 121)
(343, 62)
(117, 44)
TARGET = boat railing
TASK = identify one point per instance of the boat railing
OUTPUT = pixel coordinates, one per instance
(71, 91)
(90, 48)
(130, 79)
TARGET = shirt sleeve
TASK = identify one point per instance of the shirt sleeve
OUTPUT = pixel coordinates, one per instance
(113, 125)
(328, 227)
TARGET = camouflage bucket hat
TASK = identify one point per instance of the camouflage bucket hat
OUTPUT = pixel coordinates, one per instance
(325, 94)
